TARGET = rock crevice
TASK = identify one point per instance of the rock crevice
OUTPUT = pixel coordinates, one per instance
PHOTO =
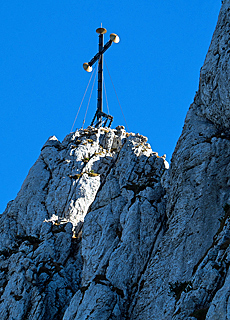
(102, 228)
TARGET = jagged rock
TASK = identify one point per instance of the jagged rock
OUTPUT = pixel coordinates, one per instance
(197, 190)
(101, 229)
(120, 231)
(96, 171)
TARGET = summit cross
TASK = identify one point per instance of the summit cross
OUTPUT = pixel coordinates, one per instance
(101, 118)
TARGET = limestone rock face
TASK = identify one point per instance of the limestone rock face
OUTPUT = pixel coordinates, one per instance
(188, 278)
(120, 232)
(85, 222)
(102, 228)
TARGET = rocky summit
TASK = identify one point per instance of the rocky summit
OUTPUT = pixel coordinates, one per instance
(82, 229)
(103, 228)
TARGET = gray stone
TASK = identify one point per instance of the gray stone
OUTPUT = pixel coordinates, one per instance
(102, 228)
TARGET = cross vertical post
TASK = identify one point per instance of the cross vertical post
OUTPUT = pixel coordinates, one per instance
(100, 79)
(100, 117)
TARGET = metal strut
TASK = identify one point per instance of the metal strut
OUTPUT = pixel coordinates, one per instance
(101, 118)
(100, 79)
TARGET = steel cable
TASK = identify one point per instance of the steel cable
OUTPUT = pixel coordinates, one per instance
(89, 101)
(117, 96)
(106, 96)
(82, 99)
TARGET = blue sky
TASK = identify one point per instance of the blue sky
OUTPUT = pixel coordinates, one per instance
(43, 44)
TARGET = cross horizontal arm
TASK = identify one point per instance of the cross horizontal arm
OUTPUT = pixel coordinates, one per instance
(106, 46)
(97, 56)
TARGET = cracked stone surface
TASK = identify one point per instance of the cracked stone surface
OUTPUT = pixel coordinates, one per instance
(120, 232)
(102, 228)
(194, 249)
(87, 202)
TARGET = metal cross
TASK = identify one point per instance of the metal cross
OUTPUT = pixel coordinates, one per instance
(100, 117)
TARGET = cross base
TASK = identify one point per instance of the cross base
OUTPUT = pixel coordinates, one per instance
(100, 119)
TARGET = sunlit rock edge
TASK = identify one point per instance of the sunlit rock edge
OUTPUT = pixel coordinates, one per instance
(102, 228)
